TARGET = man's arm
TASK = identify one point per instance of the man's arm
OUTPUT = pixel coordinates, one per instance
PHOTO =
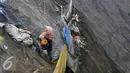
(42, 35)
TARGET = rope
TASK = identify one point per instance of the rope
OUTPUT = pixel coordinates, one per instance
(41, 68)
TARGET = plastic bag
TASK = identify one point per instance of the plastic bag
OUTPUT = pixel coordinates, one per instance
(17, 35)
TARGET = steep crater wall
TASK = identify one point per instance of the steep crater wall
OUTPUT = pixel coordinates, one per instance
(109, 25)
(105, 29)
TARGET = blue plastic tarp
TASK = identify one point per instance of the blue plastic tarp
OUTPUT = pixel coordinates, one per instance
(68, 39)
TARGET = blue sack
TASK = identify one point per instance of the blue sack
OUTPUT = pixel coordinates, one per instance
(66, 35)
(68, 38)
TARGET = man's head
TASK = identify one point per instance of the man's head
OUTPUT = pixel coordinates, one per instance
(49, 29)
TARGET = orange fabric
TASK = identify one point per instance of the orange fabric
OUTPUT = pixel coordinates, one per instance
(43, 41)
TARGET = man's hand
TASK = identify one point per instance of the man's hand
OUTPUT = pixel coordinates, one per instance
(42, 35)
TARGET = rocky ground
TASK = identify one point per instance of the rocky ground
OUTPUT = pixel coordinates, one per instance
(105, 27)
(109, 25)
